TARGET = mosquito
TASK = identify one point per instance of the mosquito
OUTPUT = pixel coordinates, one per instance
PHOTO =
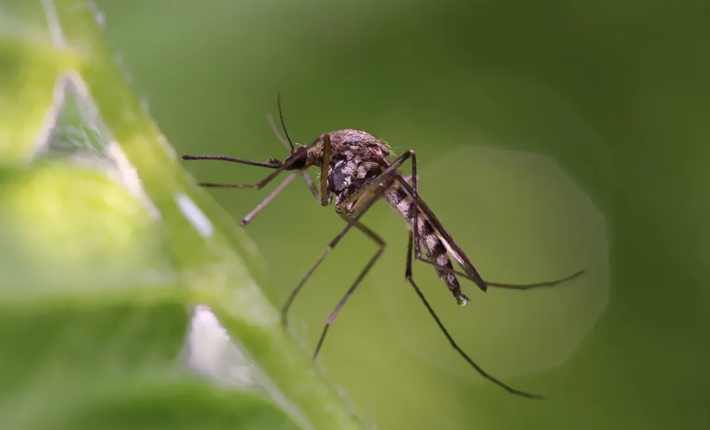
(359, 169)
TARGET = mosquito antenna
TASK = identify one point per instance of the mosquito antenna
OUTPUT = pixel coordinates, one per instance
(283, 125)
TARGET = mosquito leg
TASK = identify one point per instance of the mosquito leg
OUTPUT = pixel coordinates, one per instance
(333, 243)
(408, 179)
(259, 185)
(380, 249)
(325, 170)
(275, 164)
(418, 255)
(268, 165)
(311, 185)
(268, 199)
(415, 187)
(541, 284)
(247, 219)
(276, 191)
(453, 343)
(376, 187)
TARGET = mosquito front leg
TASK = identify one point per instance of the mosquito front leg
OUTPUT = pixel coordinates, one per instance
(284, 184)
(325, 170)
(268, 165)
(380, 249)
(277, 190)
(281, 186)
(273, 164)
(259, 185)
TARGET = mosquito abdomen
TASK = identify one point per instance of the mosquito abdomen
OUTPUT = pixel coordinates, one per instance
(433, 245)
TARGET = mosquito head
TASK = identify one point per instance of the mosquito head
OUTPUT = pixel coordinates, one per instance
(300, 158)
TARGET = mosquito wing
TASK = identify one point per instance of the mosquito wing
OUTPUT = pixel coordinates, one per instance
(452, 247)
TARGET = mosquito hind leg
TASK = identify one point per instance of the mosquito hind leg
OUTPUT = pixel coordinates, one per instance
(462, 353)
(376, 188)
(385, 177)
(380, 249)
(551, 283)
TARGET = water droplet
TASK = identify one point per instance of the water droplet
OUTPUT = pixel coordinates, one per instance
(461, 300)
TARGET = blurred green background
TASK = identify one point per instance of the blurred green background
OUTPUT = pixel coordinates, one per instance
(616, 93)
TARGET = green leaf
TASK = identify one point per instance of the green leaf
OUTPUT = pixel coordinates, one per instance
(119, 276)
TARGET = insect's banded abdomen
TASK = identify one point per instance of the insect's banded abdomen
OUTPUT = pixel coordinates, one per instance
(431, 243)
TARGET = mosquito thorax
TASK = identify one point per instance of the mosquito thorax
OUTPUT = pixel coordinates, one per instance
(352, 144)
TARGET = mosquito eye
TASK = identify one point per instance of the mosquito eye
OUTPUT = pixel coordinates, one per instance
(299, 163)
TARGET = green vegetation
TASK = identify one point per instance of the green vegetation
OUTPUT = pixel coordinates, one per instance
(551, 136)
